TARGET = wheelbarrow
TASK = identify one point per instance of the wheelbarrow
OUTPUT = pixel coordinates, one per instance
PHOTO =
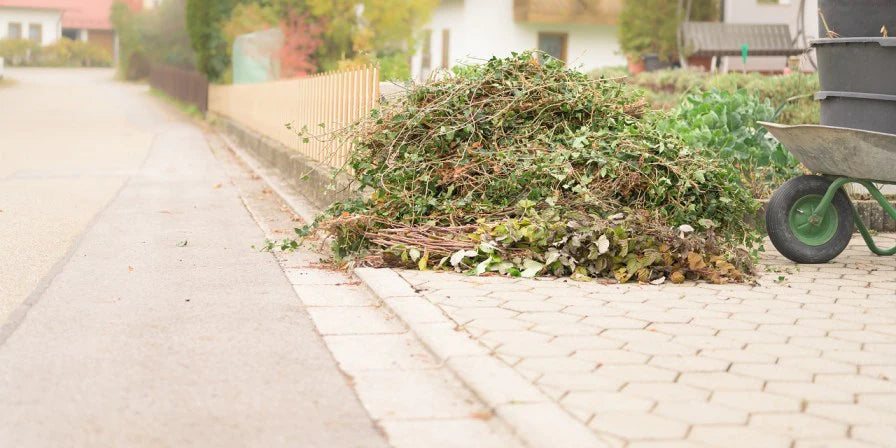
(810, 219)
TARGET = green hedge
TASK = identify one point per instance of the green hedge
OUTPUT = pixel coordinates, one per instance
(63, 53)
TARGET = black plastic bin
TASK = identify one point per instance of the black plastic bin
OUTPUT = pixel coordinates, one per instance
(857, 64)
(857, 18)
(866, 111)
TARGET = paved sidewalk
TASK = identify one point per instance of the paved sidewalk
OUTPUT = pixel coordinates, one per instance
(805, 359)
(167, 328)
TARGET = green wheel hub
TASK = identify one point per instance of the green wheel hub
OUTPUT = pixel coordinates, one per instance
(812, 231)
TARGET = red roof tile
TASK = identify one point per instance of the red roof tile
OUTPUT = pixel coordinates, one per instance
(90, 14)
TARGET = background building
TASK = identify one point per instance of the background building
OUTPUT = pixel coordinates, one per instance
(47, 21)
(581, 33)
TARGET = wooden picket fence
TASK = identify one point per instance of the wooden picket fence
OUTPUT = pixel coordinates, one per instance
(334, 100)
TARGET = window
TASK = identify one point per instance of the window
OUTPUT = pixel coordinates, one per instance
(70, 33)
(426, 51)
(14, 31)
(36, 32)
(553, 44)
(446, 48)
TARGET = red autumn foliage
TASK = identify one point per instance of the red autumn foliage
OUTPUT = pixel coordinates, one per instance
(301, 38)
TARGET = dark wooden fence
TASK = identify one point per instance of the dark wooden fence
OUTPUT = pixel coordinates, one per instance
(188, 86)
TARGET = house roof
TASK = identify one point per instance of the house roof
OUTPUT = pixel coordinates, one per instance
(89, 14)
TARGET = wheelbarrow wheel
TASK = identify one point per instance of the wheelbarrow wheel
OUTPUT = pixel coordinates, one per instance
(799, 237)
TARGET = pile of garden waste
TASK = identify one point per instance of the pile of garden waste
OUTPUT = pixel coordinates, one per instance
(522, 167)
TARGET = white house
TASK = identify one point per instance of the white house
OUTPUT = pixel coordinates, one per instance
(772, 12)
(581, 32)
(43, 25)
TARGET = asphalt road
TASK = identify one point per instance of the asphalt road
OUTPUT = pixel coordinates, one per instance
(135, 311)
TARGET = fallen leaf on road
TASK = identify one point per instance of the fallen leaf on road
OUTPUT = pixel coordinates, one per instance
(217, 186)
(482, 415)
(182, 243)
(130, 269)
(267, 191)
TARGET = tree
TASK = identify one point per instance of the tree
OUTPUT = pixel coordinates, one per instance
(205, 19)
(651, 26)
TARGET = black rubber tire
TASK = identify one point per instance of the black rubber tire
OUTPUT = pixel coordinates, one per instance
(778, 227)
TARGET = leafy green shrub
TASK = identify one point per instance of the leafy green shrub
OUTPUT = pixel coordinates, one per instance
(62, 53)
(74, 53)
(527, 168)
(18, 51)
(726, 123)
(666, 88)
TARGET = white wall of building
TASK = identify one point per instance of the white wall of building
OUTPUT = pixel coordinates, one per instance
(50, 21)
(786, 11)
(480, 29)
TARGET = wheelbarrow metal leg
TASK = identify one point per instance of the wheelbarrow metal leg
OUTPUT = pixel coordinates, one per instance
(866, 234)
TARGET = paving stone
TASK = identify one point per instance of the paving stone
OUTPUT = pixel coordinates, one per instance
(389, 394)
(771, 372)
(494, 382)
(824, 343)
(661, 348)
(855, 383)
(545, 425)
(689, 363)
(798, 425)
(883, 402)
(379, 352)
(635, 372)
(732, 436)
(542, 317)
(587, 342)
(446, 341)
(635, 335)
(635, 426)
(495, 338)
(852, 414)
(818, 365)
(738, 356)
(613, 322)
(666, 392)
(809, 391)
(882, 435)
(606, 402)
(530, 305)
(581, 381)
(577, 328)
(497, 324)
(720, 381)
(832, 443)
(354, 320)
(529, 349)
(697, 412)
(752, 401)
(454, 433)
(681, 329)
(334, 295)
(611, 356)
(555, 364)
(708, 342)
(471, 302)
(780, 350)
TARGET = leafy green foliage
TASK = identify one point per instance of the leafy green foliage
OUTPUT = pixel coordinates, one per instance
(667, 88)
(726, 123)
(205, 19)
(62, 53)
(153, 36)
(645, 25)
(522, 144)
